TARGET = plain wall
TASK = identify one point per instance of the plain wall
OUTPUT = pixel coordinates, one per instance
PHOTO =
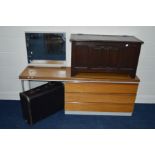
(13, 58)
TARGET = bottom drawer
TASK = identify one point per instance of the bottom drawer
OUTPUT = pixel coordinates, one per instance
(99, 107)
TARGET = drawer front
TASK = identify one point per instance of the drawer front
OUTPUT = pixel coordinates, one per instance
(101, 88)
(99, 107)
(102, 98)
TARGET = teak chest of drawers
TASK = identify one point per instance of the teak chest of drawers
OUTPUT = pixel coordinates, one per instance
(90, 93)
(100, 97)
(105, 53)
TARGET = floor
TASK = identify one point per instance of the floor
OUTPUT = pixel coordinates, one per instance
(143, 118)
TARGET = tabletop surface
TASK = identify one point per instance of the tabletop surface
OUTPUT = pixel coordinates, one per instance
(64, 73)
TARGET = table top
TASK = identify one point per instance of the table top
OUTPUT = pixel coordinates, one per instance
(106, 38)
(64, 74)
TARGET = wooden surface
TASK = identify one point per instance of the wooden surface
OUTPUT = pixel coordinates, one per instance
(99, 107)
(101, 87)
(62, 74)
(114, 38)
(107, 56)
(100, 98)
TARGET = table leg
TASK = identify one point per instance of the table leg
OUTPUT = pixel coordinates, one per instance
(22, 83)
(29, 84)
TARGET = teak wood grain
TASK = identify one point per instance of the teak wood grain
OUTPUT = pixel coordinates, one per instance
(98, 97)
(64, 73)
(101, 88)
(99, 107)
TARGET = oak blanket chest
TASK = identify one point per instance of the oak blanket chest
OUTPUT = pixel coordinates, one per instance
(105, 53)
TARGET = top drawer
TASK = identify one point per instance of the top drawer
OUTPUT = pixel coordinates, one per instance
(101, 87)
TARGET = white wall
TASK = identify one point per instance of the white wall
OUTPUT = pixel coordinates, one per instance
(13, 56)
